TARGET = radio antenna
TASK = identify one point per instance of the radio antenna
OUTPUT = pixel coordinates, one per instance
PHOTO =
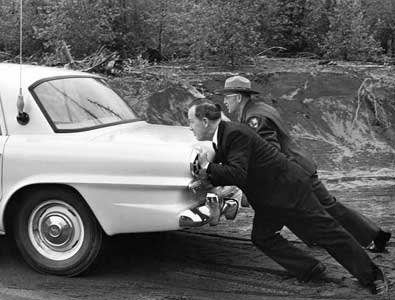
(20, 44)
(22, 117)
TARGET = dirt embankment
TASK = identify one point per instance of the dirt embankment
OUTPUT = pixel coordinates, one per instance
(343, 114)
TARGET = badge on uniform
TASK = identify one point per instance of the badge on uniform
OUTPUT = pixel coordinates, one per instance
(254, 122)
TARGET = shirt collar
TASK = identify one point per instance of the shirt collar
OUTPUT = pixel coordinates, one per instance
(215, 137)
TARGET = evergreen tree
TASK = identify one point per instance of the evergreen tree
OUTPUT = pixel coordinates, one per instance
(227, 30)
(287, 24)
(348, 37)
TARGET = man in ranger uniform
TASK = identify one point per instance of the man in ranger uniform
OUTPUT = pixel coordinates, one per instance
(266, 121)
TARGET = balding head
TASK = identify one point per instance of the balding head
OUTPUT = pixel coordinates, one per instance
(204, 117)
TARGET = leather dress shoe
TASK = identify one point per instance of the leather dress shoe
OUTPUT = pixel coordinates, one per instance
(244, 201)
(380, 242)
(230, 209)
(317, 273)
(379, 286)
(214, 206)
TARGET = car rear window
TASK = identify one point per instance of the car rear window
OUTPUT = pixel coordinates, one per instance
(75, 104)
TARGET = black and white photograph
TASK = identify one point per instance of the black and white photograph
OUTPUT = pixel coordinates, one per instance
(197, 149)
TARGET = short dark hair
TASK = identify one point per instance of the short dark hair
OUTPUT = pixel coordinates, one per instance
(205, 108)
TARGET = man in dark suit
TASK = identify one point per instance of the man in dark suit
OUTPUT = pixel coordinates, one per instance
(266, 121)
(280, 193)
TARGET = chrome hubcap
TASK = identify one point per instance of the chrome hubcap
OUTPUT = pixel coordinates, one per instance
(56, 230)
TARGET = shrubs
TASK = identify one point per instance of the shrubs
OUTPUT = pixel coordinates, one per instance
(229, 32)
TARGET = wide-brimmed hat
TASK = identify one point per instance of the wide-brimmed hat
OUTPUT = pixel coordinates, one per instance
(237, 84)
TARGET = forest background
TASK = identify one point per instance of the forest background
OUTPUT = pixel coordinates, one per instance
(223, 31)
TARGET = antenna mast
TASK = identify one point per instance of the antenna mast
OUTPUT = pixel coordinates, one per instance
(22, 117)
(20, 44)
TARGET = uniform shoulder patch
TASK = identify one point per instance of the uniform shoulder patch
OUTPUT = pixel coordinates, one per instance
(254, 122)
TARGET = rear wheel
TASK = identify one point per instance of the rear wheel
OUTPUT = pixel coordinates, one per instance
(56, 232)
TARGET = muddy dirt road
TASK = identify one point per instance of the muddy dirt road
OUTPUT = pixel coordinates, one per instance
(208, 263)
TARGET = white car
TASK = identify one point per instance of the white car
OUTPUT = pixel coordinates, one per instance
(76, 162)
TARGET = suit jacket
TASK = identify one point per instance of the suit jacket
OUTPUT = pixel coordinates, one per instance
(264, 174)
(266, 121)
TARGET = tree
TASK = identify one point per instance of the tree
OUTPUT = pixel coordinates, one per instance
(316, 24)
(226, 29)
(380, 16)
(348, 37)
(169, 25)
(286, 25)
(9, 24)
(82, 24)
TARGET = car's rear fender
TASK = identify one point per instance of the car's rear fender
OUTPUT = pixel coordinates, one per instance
(12, 203)
(153, 204)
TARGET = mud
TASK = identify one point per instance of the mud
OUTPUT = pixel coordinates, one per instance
(206, 263)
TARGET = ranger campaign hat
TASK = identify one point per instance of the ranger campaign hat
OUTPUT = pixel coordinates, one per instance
(237, 84)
